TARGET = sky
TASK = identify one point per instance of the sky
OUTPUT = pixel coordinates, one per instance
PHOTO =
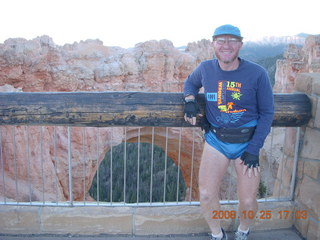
(125, 23)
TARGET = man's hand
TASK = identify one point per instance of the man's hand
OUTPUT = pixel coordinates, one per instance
(205, 125)
(191, 110)
(250, 163)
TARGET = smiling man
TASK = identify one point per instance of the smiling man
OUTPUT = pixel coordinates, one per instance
(239, 112)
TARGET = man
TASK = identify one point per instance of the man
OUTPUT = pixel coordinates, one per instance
(239, 112)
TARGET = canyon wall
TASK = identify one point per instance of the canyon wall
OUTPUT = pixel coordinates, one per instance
(35, 160)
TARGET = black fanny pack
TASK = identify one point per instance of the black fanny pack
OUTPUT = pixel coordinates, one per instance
(233, 135)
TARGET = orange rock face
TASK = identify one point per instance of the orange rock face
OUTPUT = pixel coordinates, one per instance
(34, 160)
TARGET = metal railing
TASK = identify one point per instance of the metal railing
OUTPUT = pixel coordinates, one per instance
(52, 146)
(38, 148)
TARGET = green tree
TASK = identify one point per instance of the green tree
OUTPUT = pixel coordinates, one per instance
(128, 167)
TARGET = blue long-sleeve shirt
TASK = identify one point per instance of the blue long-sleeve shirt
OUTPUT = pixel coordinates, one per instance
(235, 98)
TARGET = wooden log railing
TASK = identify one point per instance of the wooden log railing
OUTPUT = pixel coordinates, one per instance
(101, 109)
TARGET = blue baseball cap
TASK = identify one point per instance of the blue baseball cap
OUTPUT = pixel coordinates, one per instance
(227, 30)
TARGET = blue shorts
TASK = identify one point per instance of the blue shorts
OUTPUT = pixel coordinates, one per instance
(230, 150)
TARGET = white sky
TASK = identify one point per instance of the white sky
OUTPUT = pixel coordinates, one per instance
(127, 22)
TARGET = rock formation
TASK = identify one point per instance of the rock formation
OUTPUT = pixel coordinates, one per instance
(34, 160)
(297, 60)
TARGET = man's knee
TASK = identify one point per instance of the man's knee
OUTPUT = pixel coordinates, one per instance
(248, 203)
(207, 196)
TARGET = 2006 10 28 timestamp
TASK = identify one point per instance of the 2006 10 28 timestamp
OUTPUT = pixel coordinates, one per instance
(262, 214)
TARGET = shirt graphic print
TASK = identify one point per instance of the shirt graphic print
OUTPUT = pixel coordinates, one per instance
(227, 96)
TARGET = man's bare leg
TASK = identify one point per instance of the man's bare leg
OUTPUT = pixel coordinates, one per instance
(212, 169)
(247, 188)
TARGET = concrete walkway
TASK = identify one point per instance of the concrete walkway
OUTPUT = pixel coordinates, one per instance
(281, 234)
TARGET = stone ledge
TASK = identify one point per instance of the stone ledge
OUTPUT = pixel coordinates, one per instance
(127, 220)
(169, 220)
(87, 220)
(19, 220)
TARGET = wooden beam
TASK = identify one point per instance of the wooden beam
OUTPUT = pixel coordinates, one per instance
(101, 109)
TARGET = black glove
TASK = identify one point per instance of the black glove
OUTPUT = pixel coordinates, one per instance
(205, 125)
(250, 160)
(191, 108)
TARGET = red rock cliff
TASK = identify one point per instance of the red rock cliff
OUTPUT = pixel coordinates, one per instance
(38, 65)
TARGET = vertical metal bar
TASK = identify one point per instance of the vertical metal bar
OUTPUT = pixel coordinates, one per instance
(282, 169)
(295, 163)
(178, 172)
(138, 167)
(125, 165)
(26, 131)
(15, 162)
(151, 167)
(269, 160)
(70, 167)
(2, 168)
(192, 163)
(84, 164)
(42, 167)
(111, 171)
(165, 168)
(55, 163)
(98, 168)
(230, 184)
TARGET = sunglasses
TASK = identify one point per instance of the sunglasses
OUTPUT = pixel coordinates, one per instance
(222, 40)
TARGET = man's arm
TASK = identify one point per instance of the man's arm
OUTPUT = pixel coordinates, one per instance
(191, 88)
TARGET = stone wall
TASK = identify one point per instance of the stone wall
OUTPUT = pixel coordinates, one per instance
(307, 191)
(299, 72)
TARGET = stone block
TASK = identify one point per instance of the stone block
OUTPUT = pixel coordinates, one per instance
(309, 227)
(316, 84)
(19, 220)
(308, 83)
(276, 219)
(311, 147)
(312, 169)
(87, 220)
(309, 195)
(169, 220)
(304, 83)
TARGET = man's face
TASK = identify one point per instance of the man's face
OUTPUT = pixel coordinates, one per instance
(226, 48)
